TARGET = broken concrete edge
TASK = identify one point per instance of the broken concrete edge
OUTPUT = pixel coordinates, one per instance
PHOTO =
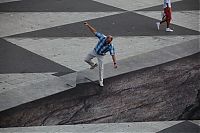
(25, 94)
(153, 127)
(181, 77)
(149, 59)
(13, 98)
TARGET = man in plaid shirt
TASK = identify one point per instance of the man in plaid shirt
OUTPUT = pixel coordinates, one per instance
(103, 46)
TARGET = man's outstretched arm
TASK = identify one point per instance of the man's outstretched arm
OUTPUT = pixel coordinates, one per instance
(114, 61)
(92, 29)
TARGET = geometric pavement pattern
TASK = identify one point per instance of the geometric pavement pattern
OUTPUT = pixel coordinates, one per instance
(33, 54)
(178, 6)
(186, 127)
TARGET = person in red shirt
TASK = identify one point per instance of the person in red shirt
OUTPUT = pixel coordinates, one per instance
(167, 15)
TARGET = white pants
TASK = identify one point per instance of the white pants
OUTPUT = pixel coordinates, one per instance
(89, 58)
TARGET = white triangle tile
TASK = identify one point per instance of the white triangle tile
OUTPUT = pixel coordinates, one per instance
(188, 19)
(131, 5)
(16, 23)
(70, 52)
(13, 81)
(5, 1)
(131, 127)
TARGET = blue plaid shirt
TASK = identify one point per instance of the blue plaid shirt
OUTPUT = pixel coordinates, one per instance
(101, 48)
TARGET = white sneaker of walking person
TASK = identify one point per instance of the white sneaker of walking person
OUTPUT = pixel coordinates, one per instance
(101, 83)
(92, 67)
(158, 25)
(169, 30)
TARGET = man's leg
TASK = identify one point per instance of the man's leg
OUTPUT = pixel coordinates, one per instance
(168, 19)
(162, 21)
(168, 23)
(101, 69)
(89, 58)
(163, 17)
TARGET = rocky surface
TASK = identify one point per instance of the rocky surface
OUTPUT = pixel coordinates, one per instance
(169, 91)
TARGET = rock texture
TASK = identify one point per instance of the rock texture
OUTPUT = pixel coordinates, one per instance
(169, 91)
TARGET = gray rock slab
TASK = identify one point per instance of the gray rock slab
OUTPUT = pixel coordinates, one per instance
(140, 127)
(137, 62)
(25, 94)
(185, 49)
(150, 94)
(134, 127)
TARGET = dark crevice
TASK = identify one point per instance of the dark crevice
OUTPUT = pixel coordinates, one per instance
(170, 91)
(72, 116)
(91, 120)
(191, 110)
(84, 107)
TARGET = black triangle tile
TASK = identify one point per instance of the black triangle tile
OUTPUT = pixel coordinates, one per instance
(183, 5)
(124, 24)
(14, 59)
(183, 127)
(56, 6)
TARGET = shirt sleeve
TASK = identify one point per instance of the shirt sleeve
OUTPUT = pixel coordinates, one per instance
(112, 50)
(167, 1)
(99, 35)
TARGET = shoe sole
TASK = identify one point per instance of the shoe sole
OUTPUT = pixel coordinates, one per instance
(93, 66)
(158, 26)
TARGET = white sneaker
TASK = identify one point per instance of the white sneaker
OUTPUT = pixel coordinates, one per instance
(158, 25)
(101, 83)
(169, 30)
(92, 67)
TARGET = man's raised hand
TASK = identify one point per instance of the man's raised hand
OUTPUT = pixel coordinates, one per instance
(93, 30)
(86, 23)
